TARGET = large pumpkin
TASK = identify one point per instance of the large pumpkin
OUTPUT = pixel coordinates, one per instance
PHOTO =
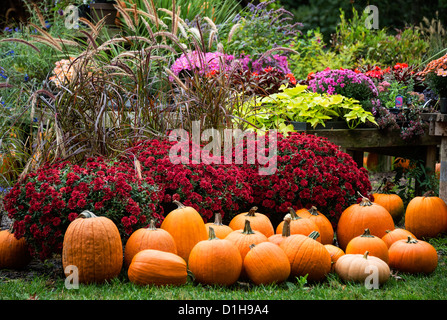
(187, 228)
(357, 217)
(323, 223)
(155, 267)
(93, 244)
(221, 230)
(413, 256)
(258, 221)
(266, 263)
(148, 238)
(307, 256)
(358, 267)
(367, 242)
(14, 252)
(215, 261)
(392, 202)
(426, 216)
(299, 225)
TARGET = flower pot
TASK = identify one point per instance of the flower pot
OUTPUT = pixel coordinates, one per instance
(443, 105)
(100, 10)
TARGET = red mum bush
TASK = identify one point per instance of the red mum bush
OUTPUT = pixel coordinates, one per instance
(44, 203)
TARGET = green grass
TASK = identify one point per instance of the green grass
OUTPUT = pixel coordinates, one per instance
(403, 287)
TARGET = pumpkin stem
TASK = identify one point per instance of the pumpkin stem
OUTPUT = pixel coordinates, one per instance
(179, 204)
(293, 214)
(411, 240)
(365, 201)
(286, 226)
(152, 225)
(247, 228)
(313, 211)
(212, 234)
(367, 234)
(314, 235)
(86, 214)
(252, 212)
(366, 255)
(429, 193)
(252, 246)
(218, 219)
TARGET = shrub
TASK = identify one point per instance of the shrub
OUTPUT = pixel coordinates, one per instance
(44, 203)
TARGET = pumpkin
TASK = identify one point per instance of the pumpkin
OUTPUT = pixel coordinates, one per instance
(148, 238)
(426, 216)
(392, 236)
(215, 261)
(335, 253)
(155, 267)
(278, 238)
(413, 256)
(299, 225)
(258, 221)
(307, 256)
(266, 263)
(357, 217)
(323, 223)
(391, 202)
(187, 228)
(93, 244)
(14, 252)
(243, 238)
(372, 161)
(367, 242)
(358, 267)
(221, 230)
(402, 163)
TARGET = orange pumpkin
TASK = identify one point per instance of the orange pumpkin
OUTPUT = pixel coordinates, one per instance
(392, 236)
(93, 244)
(187, 228)
(413, 256)
(266, 263)
(14, 252)
(357, 217)
(278, 238)
(299, 225)
(155, 267)
(335, 253)
(372, 161)
(393, 203)
(323, 223)
(367, 242)
(221, 230)
(215, 261)
(148, 238)
(307, 256)
(402, 163)
(426, 216)
(243, 238)
(258, 221)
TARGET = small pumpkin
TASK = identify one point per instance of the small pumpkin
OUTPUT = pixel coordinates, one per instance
(278, 238)
(426, 216)
(392, 202)
(335, 253)
(148, 238)
(155, 267)
(266, 263)
(307, 256)
(323, 223)
(392, 236)
(299, 225)
(221, 230)
(357, 217)
(368, 242)
(258, 221)
(243, 238)
(14, 252)
(93, 244)
(358, 267)
(413, 256)
(215, 261)
(187, 228)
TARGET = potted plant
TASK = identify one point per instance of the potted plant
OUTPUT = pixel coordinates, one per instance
(435, 76)
(102, 8)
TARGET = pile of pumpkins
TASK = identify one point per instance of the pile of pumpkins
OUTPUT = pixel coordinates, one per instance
(249, 248)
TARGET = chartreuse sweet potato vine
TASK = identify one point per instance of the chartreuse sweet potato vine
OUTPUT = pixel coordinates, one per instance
(299, 104)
